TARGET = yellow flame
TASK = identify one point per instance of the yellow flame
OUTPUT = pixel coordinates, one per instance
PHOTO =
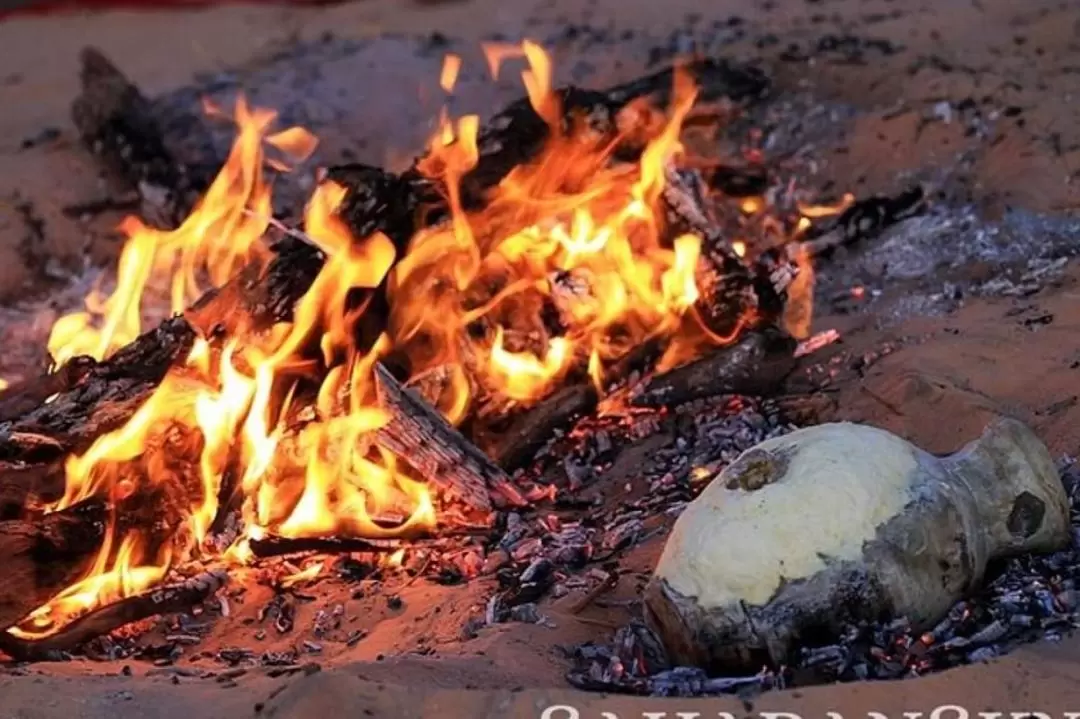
(565, 267)
(450, 70)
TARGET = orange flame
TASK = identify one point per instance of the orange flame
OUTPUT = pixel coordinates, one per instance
(450, 69)
(221, 235)
(334, 479)
(569, 235)
(567, 231)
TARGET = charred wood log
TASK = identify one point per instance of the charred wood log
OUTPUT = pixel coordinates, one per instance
(401, 206)
(259, 296)
(514, 442)
(755, 365)
(516, 135)
(42, 556)
(734, 295)
(531, 429)
(422, 437)
(863, 220)
(277, 546)
(746, 181)
(116, 123)
(169, 599)
(105, 397)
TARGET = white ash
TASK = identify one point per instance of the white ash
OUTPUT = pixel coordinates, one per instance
(921, 266)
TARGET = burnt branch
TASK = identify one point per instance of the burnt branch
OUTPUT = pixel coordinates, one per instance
(26, 487)
(276, 546)
(21, 397)
(864, 220)
(260, 295)
(755, 365)
(530, 430)
(169, 599)
(103, 399)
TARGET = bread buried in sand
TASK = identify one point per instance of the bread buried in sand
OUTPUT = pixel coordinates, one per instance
(840, 523)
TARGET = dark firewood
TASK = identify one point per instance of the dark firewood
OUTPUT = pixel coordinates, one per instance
(515, 136)
(419, 435)
(735, 299)
(746, 181)
(864, 220)
(105, 397)
(259, 296)
(23, 487)
(169, 599)
(380, 201)
(735, 295)
(276, 546)
(528, 431)
(42, 556)
(115, 120)
(514, 440)
(755, 365)
(21, 397)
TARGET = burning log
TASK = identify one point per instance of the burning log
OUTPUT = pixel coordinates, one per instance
(168, 599)
(755, 365)
(258, 296)
(734, 295)
(277, 546)
(400, 206)
(422, 437)
(105, 397)
(515, 135)
(758, 564)
(116, 122)
(515, 440)
(44, 555)
(748, 181)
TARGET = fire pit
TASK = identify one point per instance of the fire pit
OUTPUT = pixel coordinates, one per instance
(506, 368)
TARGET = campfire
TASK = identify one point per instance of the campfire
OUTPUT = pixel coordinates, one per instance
(395, 370)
